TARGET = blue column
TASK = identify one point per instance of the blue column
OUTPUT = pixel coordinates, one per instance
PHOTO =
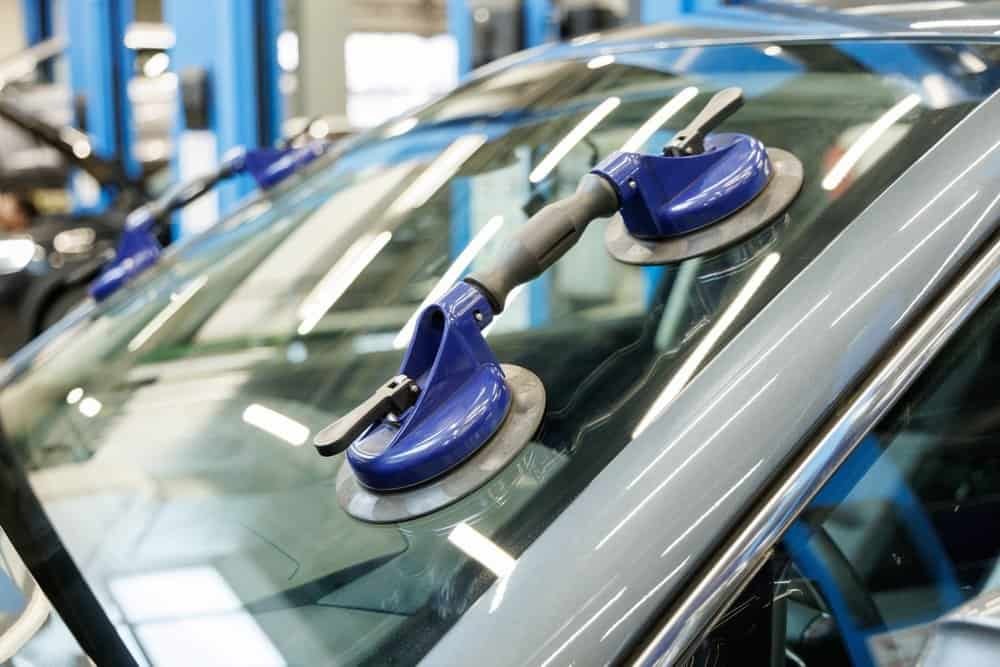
(538, 25)
(37, 18)
(234, 41)
(460, 26)
(100, 67)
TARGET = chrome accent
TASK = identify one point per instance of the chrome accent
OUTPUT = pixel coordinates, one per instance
(728, 574)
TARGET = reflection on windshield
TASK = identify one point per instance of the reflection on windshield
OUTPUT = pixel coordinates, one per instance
(168, 436)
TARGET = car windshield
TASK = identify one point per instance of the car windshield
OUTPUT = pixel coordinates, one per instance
(168, 436)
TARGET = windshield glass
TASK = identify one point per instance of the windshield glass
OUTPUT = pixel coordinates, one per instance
(168, 436)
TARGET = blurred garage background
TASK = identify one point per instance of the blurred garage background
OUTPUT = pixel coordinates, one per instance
(164, 88)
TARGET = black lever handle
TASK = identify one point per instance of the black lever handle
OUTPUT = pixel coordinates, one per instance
(394, 397)
(691, 140)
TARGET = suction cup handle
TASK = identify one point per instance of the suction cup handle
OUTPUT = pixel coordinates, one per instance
(691, 140)
(545, 238)
(394, 397)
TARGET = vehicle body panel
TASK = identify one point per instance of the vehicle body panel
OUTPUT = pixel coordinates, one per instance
(648, 520)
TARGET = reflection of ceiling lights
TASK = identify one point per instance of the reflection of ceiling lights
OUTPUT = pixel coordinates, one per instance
(599, 62)
(74, 241)
(866, 140)
(956, 23)
(450, 276)
(90, 407)
(707, 343)
(144, 35)
(177, 302)
(339, 278)
(656, 121)
(74, 395)
(572, 138)
(279, 425)
(481, 549)
(437, 173)
(972, 62)
(15, 254)
(288, 50)
(156, 65)
(774, 50)
(191, 615)
(903, 7)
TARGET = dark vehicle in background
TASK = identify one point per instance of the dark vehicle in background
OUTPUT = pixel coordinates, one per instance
(47, 259)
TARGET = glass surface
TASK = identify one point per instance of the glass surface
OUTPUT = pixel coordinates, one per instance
(168, 436)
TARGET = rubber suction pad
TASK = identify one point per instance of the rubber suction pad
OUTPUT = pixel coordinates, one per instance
(786, 180)
(516, 430)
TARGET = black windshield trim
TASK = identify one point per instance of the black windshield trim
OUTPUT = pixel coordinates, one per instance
(37, 543)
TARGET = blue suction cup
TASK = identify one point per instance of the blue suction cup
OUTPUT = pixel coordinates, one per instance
(450, 399)
(706, 191)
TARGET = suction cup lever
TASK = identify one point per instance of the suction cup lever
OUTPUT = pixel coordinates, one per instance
(691, 140)
(393, 398)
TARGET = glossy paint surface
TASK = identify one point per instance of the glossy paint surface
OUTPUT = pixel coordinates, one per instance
(638, 532)
(663, 196)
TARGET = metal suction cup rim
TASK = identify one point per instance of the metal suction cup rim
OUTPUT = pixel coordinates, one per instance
(522, 420)
(785, 183)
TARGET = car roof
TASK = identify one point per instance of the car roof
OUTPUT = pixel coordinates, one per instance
(643, 528)
(778, 23)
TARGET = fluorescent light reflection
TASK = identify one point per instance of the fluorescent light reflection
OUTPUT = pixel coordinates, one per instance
(656, 121)
(903, 259)
(902, 7)
(729, 388)
(90, 407)
(191, 615)
(74, 395)
(683, 464)
(437, 173)
(450, 276)
(177, 302)
(279, 425)
(645, 598)
(947, 262)
(774, 51)
(401, 127)
(956, 23)
(600, 61)
(583, 627)
(715, 506)
(339, 278)
(566, 144)
(481, 549)
(972, 62)
(695, 359)
(849, 159)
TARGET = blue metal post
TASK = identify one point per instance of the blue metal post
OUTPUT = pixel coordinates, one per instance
(37, 18)
(100, 67)
(460, 26)
(538, 25)
(234, 41)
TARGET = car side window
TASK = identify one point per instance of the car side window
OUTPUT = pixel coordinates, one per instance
(904, 535)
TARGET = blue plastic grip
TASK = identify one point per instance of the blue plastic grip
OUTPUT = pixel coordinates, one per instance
(664, 196)
(463, 398)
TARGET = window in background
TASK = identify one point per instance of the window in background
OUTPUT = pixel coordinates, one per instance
(388, 73)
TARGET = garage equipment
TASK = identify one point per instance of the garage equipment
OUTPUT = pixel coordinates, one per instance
(454, 416)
